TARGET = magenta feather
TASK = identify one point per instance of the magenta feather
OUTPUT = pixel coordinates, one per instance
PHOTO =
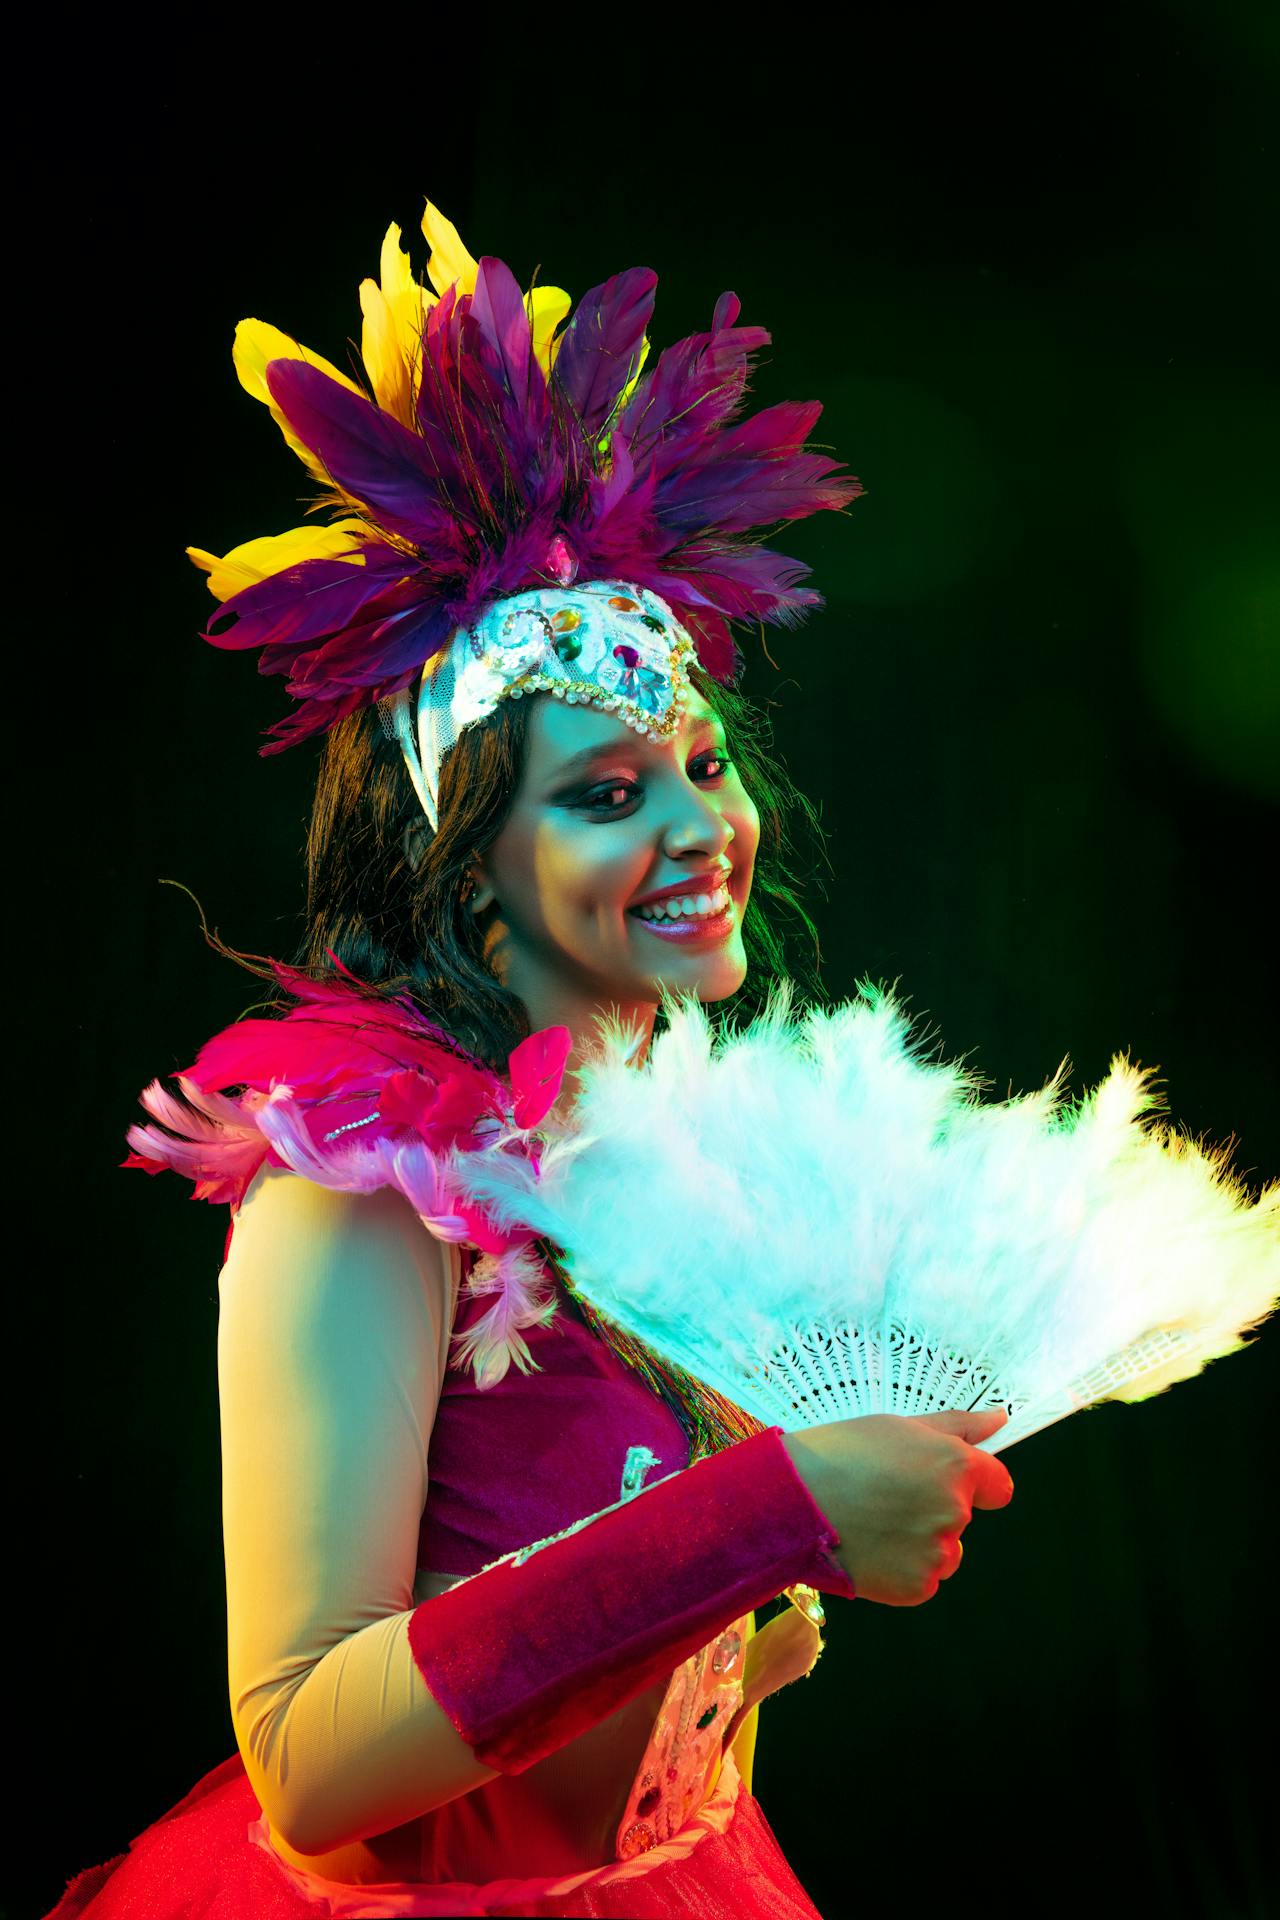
(355, 1091)
(671, 491)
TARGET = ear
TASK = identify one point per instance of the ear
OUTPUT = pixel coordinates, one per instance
(482, 894)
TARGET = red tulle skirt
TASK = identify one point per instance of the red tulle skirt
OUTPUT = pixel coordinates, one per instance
(198, 1862)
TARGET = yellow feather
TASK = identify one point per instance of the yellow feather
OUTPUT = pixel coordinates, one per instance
(450, 264)
(380, 350)
(257, 343)
(272, 552)
(408, 303)
(546, 308)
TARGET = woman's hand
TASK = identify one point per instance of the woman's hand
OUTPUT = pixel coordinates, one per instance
(900, 1490)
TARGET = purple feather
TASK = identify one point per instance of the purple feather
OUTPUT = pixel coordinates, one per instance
(753, 474)
(497, 307)
(364, 451)
(306, 600)
(601, 344)
(696, 384)
(502, 461)
(370, 653)
(745, 584)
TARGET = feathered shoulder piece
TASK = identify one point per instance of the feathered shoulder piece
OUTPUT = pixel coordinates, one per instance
(356, 1092)
(485, 449)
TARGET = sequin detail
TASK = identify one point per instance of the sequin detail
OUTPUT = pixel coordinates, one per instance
(613, 646)
(638, 1838)
(678, 1767)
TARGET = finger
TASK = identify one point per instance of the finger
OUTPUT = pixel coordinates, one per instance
(969, 1425)
(992, 1481)
(956, 1556)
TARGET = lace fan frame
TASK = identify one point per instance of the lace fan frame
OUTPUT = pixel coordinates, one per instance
(842, 1370)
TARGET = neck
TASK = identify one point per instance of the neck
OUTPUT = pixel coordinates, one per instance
(553, 998)
(580, 1014)
(557, 1002)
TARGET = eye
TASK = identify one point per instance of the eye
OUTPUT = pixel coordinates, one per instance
(597, 802)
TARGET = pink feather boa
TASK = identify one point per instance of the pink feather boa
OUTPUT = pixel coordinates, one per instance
(356, 1093)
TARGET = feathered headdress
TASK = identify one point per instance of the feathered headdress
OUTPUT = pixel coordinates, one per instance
(490, 454)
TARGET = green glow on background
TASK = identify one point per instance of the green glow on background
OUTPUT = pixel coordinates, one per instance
(1197, 483)
(1211, 651)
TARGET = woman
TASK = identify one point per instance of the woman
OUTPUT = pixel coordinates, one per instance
(478, 1663)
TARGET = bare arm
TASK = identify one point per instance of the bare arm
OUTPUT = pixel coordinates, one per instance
(332, 1344)
(357, 1711)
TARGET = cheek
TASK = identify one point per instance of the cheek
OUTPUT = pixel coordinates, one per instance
(744, 818)
(582, 868)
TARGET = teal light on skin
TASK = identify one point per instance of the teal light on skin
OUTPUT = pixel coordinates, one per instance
(577, 849)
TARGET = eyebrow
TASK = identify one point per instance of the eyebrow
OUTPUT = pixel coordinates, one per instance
(609, 749)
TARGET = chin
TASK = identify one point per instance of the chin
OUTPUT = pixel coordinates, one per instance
(715, 979)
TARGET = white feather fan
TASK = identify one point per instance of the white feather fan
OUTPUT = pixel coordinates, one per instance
(819, 1224)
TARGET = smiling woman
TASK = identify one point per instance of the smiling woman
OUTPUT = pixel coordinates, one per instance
(532, 827)
(459, 1685)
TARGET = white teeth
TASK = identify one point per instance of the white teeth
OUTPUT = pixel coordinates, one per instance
(693, 906)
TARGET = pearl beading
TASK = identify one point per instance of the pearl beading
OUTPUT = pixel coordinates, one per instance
(588, 693)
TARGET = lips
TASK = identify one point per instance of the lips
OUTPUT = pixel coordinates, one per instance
(689, 888)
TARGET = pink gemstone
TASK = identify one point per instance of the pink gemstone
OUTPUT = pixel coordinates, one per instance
(560, 563)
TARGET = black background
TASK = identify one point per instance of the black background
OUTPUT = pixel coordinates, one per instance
(1027, 265)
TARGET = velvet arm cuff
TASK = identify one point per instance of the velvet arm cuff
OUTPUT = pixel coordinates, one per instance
(524, 1656)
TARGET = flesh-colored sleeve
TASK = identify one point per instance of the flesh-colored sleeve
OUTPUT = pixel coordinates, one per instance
(333, 1335)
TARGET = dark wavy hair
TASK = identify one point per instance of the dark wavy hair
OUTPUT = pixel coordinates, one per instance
(385, 895)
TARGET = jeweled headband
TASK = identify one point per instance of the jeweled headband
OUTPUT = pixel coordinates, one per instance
(520, 509)
(606, 644)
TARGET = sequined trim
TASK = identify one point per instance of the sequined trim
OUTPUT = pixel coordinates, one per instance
(679, 1766)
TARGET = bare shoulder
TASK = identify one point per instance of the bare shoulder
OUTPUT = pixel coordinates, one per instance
(284, 1218)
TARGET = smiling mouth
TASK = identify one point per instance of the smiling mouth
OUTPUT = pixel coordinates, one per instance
(698, 928)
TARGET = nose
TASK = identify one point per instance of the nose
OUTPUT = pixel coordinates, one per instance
(698, 826)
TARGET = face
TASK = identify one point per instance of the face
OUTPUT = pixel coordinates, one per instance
(601, 819)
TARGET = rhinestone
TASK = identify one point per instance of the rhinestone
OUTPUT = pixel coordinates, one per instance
(726, 1653)
(638, 1838)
